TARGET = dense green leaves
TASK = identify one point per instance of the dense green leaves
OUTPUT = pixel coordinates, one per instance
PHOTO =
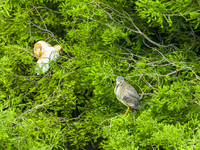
(153, 44)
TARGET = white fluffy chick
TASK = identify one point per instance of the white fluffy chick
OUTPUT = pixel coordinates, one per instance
(40, 47)
(49, 55)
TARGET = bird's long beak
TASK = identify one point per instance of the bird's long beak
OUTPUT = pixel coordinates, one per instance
(117, 84)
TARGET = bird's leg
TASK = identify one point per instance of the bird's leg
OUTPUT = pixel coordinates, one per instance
(127, 111)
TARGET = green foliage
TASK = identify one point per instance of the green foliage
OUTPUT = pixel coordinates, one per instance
(153, 44)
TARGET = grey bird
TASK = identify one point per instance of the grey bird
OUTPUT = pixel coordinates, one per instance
(126, 94)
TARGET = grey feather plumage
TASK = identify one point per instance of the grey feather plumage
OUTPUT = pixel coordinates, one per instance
(127, 94)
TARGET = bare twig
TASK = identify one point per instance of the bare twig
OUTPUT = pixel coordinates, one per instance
(152, 146)
(21, 49)
(111, 119)
(173, 72)
(122, 16)
(77, 118)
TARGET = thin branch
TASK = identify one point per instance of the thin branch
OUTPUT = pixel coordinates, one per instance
(77, 118)
(152, 146)
(173, 72)
(21, 49)
(127, 16)
(40, 17)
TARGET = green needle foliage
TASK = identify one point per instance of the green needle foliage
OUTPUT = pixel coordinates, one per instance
(153, 44)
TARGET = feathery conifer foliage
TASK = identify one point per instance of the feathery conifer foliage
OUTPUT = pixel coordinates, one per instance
(153, 44)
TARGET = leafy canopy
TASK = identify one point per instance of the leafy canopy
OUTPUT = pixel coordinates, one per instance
(153, 44)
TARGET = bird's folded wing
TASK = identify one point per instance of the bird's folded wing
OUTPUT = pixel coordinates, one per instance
(132, 101)
(131, 90)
